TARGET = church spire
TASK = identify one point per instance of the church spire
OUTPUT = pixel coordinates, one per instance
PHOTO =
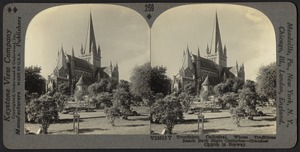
(91, 39)
(218, 41)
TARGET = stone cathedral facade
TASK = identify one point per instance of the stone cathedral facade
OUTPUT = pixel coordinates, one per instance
(206, 72)
(83, 70)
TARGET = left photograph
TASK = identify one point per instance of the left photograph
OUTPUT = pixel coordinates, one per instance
(83, 71)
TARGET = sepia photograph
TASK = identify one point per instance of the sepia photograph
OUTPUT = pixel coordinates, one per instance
(81, 63)
(150, 75)
(215, 71)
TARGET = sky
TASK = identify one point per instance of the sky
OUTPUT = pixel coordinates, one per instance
(123, 36)
(248, 34)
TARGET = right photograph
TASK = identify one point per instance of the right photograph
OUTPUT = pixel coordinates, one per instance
(213, 71)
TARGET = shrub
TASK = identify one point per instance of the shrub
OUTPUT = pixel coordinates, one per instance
(44, 111)
(186, 101)
(168, 111)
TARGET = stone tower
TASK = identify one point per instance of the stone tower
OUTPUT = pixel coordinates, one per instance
(90, 53)
(216, 52)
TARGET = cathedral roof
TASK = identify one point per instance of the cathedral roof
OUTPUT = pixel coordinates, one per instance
(80, 81)
(206, 81)
(206, 63)
(81, 63)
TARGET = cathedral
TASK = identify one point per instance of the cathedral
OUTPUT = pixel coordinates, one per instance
(79, 72)
(206, 72)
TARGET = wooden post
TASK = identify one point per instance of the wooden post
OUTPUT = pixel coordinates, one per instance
(200, 116)
(76, 117)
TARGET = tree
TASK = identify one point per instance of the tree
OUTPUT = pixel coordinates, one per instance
(266, 81)
(64, 88)
(98, 87)
(44, 111)
(122, 100)
(60, 99)
(112, 84)
(103, 99)
(147, 81)
(219, 89)
(34, 81)
(230, 98)
(160, 83)
(248, 98)
(167, 111)
(186, 101)
(141, 81)
(190, 89)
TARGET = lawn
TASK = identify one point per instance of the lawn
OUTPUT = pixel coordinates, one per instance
(215, 123)
(222, 123)
(96, 123)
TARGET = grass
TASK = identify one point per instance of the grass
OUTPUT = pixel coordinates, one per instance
(222, 123)
(215, 123)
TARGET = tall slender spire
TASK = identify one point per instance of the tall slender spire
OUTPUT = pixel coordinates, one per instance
(218, 42)
(91, 39)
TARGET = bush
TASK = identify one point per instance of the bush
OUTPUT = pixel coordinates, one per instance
(186, 101)
(111, 114)
(44, 111)
(167, 111)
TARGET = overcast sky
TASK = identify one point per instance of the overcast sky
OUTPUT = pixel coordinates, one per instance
(247, 33)
(123, 36)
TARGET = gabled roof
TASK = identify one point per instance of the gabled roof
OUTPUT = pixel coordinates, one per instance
(80, 63)
(206, 63)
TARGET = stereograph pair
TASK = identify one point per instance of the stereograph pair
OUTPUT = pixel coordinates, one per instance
(149, 75)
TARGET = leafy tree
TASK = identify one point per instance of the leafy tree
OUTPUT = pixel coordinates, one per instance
(238, 85)
(44, 111)
(190, 89)
(248, 97)
(141, 81)
(122, 101)
(60, 99)
(98, 87)
(34, 81)
(147, 81)
(104, 98)
(168, 111)
(186, 101)
(220, 89)
(111, 114)
(112, 84)
(266, 81)
(123, 84)
(230, 98)
(160, 83)
(64, 88)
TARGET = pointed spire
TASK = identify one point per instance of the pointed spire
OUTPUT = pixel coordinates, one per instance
(207, 50)
(117, 65)
(81, 49)
(218, 37)
(80, 81)
(99, 51)
(198, 52)
(111, 65)
(91, 39)
(225, 50)
(72, 52)
(206, 82)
